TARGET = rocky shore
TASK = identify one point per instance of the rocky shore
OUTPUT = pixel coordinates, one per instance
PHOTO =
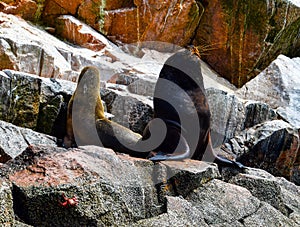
(257, 124)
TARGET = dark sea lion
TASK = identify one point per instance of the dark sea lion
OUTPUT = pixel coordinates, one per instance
(180, 128)
(180, 101)
(86, 122)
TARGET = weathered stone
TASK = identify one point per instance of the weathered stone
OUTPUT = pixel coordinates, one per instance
(111, 190)
(33, 102)
(295, 173)
(131, 111)
(222, 203)
(20, 98)
(265, 188)
(35, 50)
(92, 13)
(7, 57)
(78, 33)
(278, 86)
(54, 98)
(39, 53)
(70, 6)
(272, 146)
(267, 215)
(181, 178)
(123, 78)
(257, 113)
(228, 115)
(239, 38)
(291, 197)
(49, 11)
(144, 85)
(117, 4)
(6, 204)
(14, 140)
(169, 21)
(25, 8)
(119, 189)
(179, 213)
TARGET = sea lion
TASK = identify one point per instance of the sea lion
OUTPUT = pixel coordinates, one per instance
(180, 101)
(87, 125)
(86, 122)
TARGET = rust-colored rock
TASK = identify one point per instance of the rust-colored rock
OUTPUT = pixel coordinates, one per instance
(70, 6)
(174, 23)
(240, 38)
(89, 11)
(51, 11)
(170, 21)
(78, 33)
(6, 59)
(24, 8)
(119, 4)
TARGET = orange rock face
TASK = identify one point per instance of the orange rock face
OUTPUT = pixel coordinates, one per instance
(70, 6)
(238, 39)
(75, 32)
(88, 11)
(24, 8)
(168, 21)
(51, 11)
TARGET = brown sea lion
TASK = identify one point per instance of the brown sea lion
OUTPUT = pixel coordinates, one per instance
(86, 123)
(180, 101)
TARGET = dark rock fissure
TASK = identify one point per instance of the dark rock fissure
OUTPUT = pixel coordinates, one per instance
(19, 201)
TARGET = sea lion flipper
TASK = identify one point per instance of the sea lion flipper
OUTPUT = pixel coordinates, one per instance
(160, 156)
(182, 146)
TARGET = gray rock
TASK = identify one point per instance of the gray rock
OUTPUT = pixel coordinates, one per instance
(228, 115)
(278, 86)
(179, 213)
(111, 189)
(264, 188)
(277, 192)
(54, 97)
(34, 102)
(6, 204)
(144, 85)
(257, 113)
(267, 216)
(131, 111)
(291, 197)
(20, 98)
(223, 203)
(14, 140)
(179, 178)
(272, 146)
(120, 190)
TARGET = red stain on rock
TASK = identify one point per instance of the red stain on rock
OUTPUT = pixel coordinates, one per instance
(48, 171)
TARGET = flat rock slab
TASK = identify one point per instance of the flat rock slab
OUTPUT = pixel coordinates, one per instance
(14, 140)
